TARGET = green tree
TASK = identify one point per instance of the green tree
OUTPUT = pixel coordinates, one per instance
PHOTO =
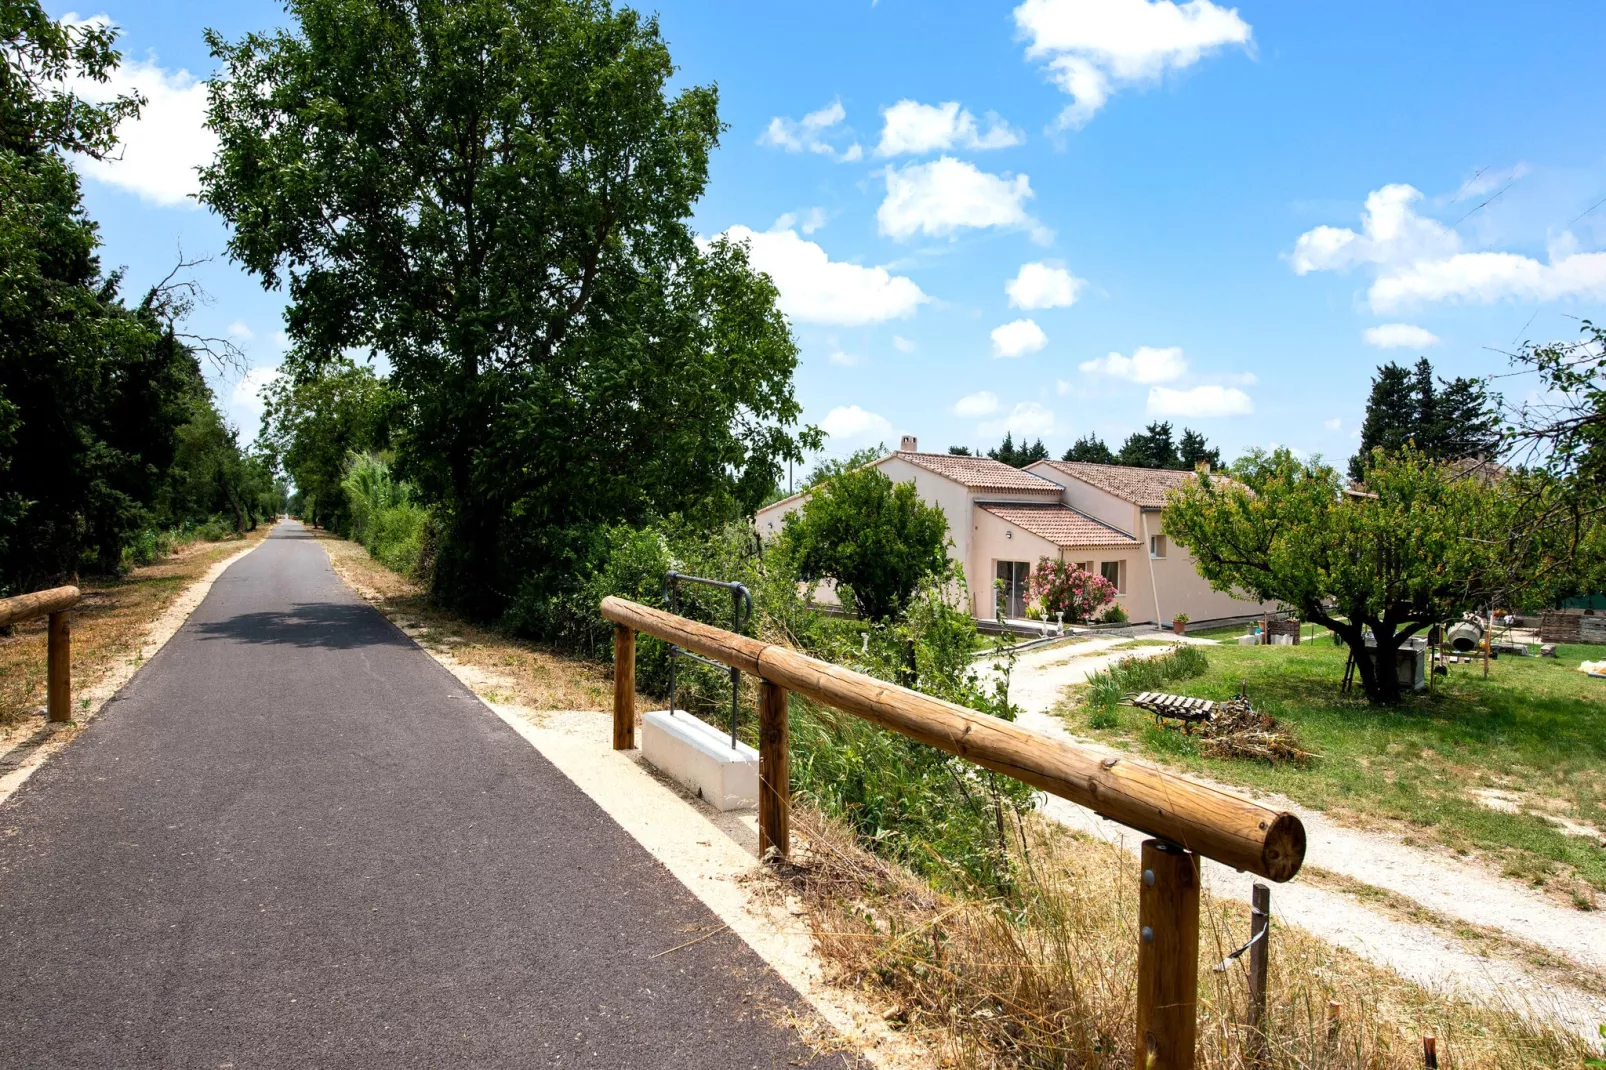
(959, 451)
(1445, 419)
(874, 538)
(495, 196)
(312, 424)
(1422, 545)
(92, 392)
(1091, 450)
(1194, 451)
(1152, 447)
(857, 459)
(1018, 456)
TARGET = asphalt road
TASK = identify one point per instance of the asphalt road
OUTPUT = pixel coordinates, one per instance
(294, 840)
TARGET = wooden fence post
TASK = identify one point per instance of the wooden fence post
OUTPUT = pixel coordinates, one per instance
(1168, 957)
(58, 672)
(624, 687)
(1259, 966)
(774, 771)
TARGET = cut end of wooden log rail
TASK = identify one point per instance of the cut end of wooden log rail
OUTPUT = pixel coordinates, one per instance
(27, 606)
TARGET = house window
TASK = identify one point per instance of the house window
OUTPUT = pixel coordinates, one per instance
(1111, 570)
(1012, 579)
(1085, 566)
(1156, 545)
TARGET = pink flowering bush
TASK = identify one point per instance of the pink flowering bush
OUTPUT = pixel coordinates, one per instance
(1062, 587)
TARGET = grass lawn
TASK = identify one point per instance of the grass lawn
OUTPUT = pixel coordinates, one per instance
(1532, 738)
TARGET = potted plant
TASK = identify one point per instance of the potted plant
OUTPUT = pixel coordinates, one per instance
(1179, 623)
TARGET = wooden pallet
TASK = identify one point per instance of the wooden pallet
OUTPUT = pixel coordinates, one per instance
(1177, 707)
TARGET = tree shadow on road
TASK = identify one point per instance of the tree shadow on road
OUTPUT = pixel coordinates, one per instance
(325, 625)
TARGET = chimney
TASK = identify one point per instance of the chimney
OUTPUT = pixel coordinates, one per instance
(910, 444)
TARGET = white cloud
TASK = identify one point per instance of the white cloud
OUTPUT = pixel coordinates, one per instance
(239, 331)
(1416, 260)
(809, 222)
(1146, 365)
(1334, 424)
(1026, 418)
(1399, 336)
(1093, 47)
(247, 395)
(849, 423)
(809, 134)
(972, 406)
(816, 289)
(1018, 338)
(162, 148)
(902, 344)
(843, 360)
(915, 128)
(946, 195)
(1199, 401)
(1042, 285)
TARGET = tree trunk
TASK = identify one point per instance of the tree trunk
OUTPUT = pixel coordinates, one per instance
(1376, 666)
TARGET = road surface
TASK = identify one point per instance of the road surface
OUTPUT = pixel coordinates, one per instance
(294, 840)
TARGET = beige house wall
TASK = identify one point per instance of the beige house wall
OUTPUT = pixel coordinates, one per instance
(1182, 590)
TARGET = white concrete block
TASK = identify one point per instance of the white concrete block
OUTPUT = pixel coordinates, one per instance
(1249, 640)
(699, 756)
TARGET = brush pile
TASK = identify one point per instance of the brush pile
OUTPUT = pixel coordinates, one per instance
(1237, 730)
(1230, 729)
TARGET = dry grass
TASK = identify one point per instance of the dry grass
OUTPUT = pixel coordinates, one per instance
(1047, 980)
(108, 627)
(533, 676)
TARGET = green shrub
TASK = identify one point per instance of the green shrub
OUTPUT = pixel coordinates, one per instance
(385, 515)
(1114, 615)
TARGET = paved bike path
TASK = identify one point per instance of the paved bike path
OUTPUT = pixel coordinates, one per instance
(294, 840)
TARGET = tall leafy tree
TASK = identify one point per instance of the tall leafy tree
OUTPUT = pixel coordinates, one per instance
(1090, 448)
(1425, 543)
(495, 196)
(874, 538)
(1153, 447)
(93, 393)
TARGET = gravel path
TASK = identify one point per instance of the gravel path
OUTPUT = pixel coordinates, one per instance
(1420, 952)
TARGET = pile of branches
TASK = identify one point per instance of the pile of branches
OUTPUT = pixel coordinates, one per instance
(1237, 730)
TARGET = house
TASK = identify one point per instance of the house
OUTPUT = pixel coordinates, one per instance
(1131, 499)
(1002, 520)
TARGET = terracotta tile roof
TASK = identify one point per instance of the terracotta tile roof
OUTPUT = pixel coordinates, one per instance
(1143, 487)
(980, 473)
(1059, 524)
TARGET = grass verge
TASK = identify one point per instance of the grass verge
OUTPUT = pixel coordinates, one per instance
(108, 627)
(1531, 740)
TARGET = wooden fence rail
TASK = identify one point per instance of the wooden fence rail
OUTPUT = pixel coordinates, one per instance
(1187, 818)
(53, 603)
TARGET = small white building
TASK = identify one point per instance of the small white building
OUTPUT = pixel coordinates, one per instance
(1003, 520)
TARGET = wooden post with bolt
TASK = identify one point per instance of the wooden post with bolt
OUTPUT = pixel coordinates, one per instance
(1259, 967)
(58, 671)
(1168, 957)
(624, 687)
(774, 772)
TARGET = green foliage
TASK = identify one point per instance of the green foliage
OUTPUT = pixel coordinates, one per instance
(1116, 614)
(1108, 687)
(1091, 449)
(857, 459)
(1019, 456)
(384, 516)
(1154, 447)
(314, 421)
(566, 356)
(1448, 421)
(1426, 543)
(98, 400)
(875, 539)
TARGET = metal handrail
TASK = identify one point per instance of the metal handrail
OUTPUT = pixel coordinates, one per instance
(741, 613)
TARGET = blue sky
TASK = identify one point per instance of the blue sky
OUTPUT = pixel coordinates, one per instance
(1068, 215)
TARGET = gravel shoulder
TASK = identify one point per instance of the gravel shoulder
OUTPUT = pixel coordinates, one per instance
(1442, 884)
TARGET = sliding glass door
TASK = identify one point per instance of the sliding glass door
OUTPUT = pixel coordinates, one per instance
(1012, 578)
